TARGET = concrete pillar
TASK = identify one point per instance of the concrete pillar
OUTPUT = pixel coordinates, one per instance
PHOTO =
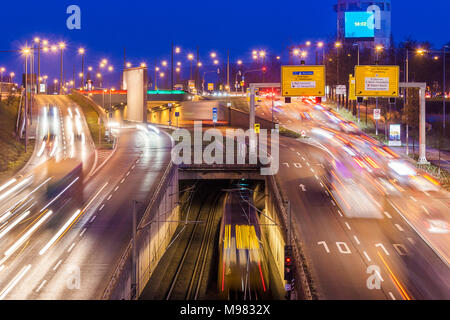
(422, 129)
(252, 123)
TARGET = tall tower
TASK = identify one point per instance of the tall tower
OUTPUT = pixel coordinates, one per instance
(382, 25)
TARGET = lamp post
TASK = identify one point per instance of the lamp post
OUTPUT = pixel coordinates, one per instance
(62, 45)
(82, 52)
(2, 69)
(337, 45)
(190, 58)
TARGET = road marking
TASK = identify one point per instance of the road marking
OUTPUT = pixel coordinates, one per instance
(303, 158)
(93, 218)
(71, 247)
(392, 296)
(298, 153)
(321, 184)
(411, 240)
(42, 284)
(382, 247)
(427, 193)
(356, 239)
(132, 168)
(302, 186)
(367, 256)
(334, 204)
(347, 249)
(109, 197)
(426, 210)
(101, 208)
(57, 265)
(317, 178)
(340, 213)
(325, 245)
(348, 226)
(327, 193)
(388, 215)
(308, 164)
(128, 173)
(312, 170)
(82, 232)
(412, 198)
(401, 249)
(399, 227)
(14, 282)
(121, 181)
(115, 189)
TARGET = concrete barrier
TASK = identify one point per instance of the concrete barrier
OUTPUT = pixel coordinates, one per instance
(154, 232)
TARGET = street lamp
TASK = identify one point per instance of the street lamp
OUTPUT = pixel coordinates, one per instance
(337, 45)
(321, 45)
(2, 69)
(11, 76)
(190, 58)
(62, 46)
(82, 52)
(378, 49)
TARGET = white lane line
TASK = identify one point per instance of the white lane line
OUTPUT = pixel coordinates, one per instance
(334, 204)
(412, 198)
(317, 178)
(348, 226)
(387, 215)
(367, 256)
(308, 164)
(14, 282)
(392, 296)
(40, 287)
(298, 153)
(93, 218)
(121, 181)
(71, 247)
(427, 193)
(312, 170)
(340, 213)
(356, 239)
(115, 189)
(109, 197)
(411, 240)
(399, 227)
(132, 168)
(57, 265)
(82, 232)
(321, 184)
(303, 158)
(101, 208)
(426, 210)
(327, 193)
(128, 173)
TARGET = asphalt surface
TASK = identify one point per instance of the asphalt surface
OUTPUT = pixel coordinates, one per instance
(343, 251)
(70, 250)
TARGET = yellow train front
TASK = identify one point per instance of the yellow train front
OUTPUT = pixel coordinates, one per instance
(243, 272)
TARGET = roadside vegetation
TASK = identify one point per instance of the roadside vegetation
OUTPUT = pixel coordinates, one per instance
(92, 117)
(12, 156)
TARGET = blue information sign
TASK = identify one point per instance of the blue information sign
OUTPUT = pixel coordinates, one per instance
(214, 111)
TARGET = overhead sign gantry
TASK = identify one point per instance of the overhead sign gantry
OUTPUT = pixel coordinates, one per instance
(377, 81)
(302, 81)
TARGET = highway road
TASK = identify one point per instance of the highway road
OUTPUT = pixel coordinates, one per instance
(343, 249)
(68, 250)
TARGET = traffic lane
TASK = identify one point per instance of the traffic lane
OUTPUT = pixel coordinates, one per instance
(393, 240)
(337, 266)
(108, 226)
(30, 255)
(47, 266)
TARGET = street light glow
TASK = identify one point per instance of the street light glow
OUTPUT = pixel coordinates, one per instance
(190, 56)
(81, 51)
(213, 55)
(164, 63)
(320, 44)
(143, 65)
(239, 62)
(62, 45)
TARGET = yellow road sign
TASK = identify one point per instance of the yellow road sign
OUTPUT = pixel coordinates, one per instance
(257, 127)
(297, 81)
(210, 86)
(377, 81)
(351, 88)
